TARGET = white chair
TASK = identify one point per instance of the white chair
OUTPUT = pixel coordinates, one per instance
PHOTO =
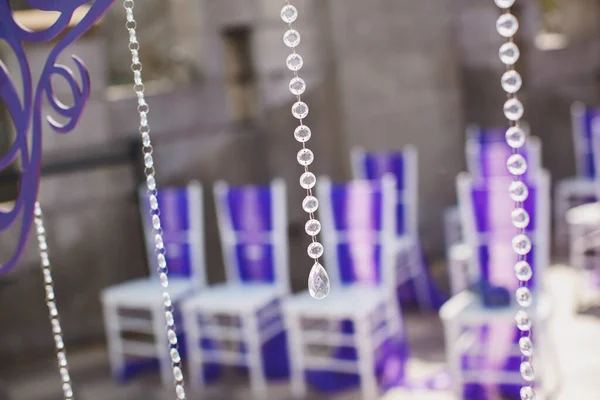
(580, 189)
(358, 234)
(485, 213)
(245, 309)
(403, 165)
(133, 311)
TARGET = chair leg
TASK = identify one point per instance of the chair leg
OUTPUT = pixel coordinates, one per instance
(194, 349)
(295, 356)
(365, 359)
(258, 381)
(451, 335)
(420, 277)
(162, 346)
(114, 340)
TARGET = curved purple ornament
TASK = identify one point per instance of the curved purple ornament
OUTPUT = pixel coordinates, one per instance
(26, 112)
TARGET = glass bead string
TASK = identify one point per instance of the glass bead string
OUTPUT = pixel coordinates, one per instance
(149, 171)
(318, 281)
(59, 343)
(507, 26)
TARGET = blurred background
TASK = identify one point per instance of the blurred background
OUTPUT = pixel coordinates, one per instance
(380, 74)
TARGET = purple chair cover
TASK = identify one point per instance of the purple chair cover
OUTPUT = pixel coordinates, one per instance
(491, 210)
(374, 166)
(358, 213)
(250, 210)
(584, 129)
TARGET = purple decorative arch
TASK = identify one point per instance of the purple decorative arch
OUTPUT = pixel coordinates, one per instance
(26, 112)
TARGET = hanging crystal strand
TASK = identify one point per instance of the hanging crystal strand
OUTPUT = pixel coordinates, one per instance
(507, 26)
(59, 343)
(318, 280)
(144, 129)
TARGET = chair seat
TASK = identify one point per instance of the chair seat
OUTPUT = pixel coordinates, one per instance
(343, 301)
(146, 292)
(232, 298)
(584, 215)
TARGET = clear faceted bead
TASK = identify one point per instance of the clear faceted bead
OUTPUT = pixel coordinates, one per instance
(148, 161)
(305, 157)
(169, 318)
(511, 81)
(509, 53)
(513, 109)
(180, 392)
(522, 319)
(318, 282)
(289, 14)
(515, 137)
(302, 133)
(310, 204)
(291, 38)
(315, 250)
(308, 180)
(527, 393)
(517, 165)
(175, 357)
(518, 191)
(526, 346)
(151, 182)
(313, 227)
(167, 299)
(523, 271)
(67, 390)
(297, 86)
(527, 371)
(300, 110)
(524, 297)
(177, 374)
(164, 279)
(294, 62)
(521, 244)
(162, 260)
(504, 3)
(507, 25)
(153, 202)
(520, 218)
(172, 336)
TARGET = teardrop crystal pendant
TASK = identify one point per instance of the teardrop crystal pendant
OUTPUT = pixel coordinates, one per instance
(318, 282)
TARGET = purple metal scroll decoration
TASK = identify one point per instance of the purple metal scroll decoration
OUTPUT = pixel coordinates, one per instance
(26, 112)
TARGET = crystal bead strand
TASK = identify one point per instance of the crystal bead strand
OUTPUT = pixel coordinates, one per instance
(59, 343)
(507, 26)
(318, 280)
(149, 171)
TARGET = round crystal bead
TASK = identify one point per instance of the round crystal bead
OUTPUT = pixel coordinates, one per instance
(308, 180)
(315, 250)
(318, 282)
(300, 110)
(313, 227)
(518, 191)
(520, 218)
(527, 393)
(305, 157)
(310, 204)
(527, 371)
(526, 346)
(294, 62)
(522, 319)
(291, 38)
(523, 271)
(504, 3)
(289, 14)
(521, 244)
(511, 81)
(302, 133)
(516, 164)
(524, 297)
(515, 137)
(297, 86)
(509, 53)
(513, 109)
(507, 25)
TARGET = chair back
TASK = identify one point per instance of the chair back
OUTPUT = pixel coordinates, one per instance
(403, 165)
(581, 120)
(253, 227)
(486, 152)
(485, 208)
(358, 230)
(182, 222)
